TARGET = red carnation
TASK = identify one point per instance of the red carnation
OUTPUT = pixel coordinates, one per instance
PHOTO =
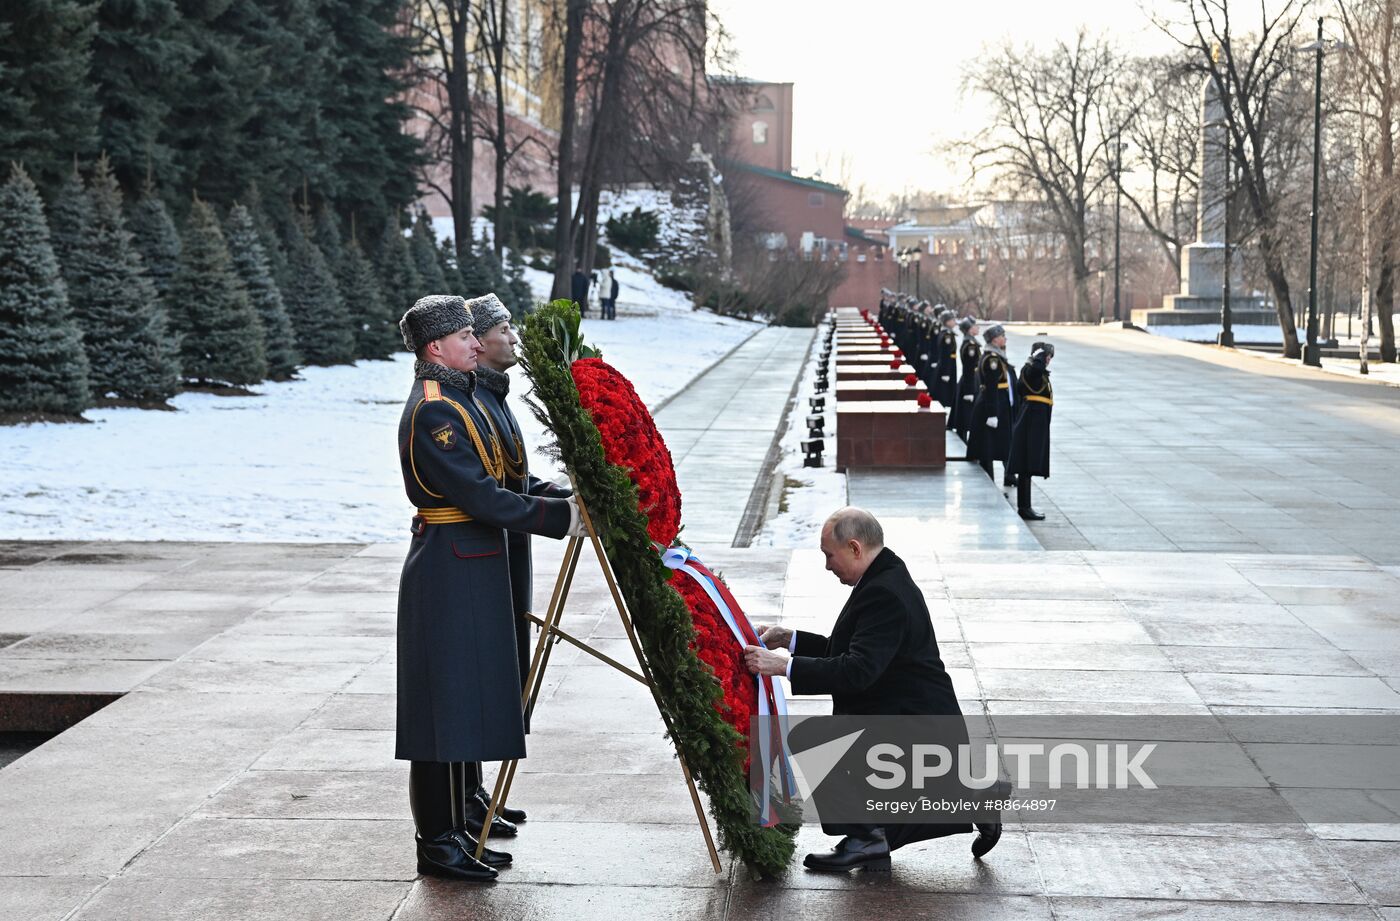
(631, 441)
(925, 401)
(911, 379)
(895, 364)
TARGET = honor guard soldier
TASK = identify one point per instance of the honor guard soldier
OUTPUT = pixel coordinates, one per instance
(458, 678)
(968, 353)
(491, 323)
(1030, 438)
(946, 374)
(989, 435)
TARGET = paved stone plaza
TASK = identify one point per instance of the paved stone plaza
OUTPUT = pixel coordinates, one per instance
(1217, 544)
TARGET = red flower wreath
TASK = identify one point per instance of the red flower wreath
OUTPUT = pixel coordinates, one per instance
(631, 441)
(911, 379)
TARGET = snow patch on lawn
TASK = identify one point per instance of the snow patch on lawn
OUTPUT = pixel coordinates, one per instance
(1205, 332)
(308, 460)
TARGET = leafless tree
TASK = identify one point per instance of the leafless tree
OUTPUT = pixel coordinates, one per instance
(1054, 118)
(572, 30)
(1373, 30)
(1163, 140)
(1255, 70)
(442, 34)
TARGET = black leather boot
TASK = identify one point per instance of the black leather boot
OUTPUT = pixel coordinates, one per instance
(462, 826)
(470, 809)
(1030, 514)
(441, 851)
(513, 816)
(870, 851)
(987, 837)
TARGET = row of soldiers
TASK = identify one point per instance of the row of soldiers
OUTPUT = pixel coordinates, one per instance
(1000, 415)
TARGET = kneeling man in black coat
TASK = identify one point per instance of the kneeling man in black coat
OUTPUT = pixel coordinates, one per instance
(881, 659)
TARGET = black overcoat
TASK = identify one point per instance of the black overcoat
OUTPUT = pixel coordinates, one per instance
(881, 659)
(969, 353)
(994, 398)
(518, 479)
(458, 678)
(1030, 437)
(945, 382)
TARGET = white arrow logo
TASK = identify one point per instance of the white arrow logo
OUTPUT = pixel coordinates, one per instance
(810, 766)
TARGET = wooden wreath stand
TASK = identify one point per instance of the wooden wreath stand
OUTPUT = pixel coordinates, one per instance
(550, 635)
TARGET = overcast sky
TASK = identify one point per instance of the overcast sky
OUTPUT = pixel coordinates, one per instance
(877, 82)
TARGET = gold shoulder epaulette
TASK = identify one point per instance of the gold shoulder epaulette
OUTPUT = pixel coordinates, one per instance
(432, 390)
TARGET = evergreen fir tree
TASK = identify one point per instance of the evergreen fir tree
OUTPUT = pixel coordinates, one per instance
(330, 239)
(251, 264)
(447, 261)
(522, 299)
(486, 254)
(131, 351)
(43, 367)
(477, 277)
(273, 247)
(324, 332)
(142, 67)
(376, 329)
(69, 220)
(221, 338)
(422, 245)
(158, 241)
(398, 279)
(47, 110)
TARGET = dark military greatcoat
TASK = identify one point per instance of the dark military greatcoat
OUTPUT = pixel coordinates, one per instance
(458, 677)
(969, 353)
(945, 382)
(492, 398)
(994, 398)
(1030, 438)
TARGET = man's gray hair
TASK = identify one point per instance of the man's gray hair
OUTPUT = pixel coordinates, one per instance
(851, 523)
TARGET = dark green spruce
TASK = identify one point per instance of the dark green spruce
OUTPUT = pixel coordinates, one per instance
(250, 262)
(422, 245)
(156, 238)
(398, 279)
(221, 337)
(325, 335)
(376, 329)
(43, 368)
(132, 353)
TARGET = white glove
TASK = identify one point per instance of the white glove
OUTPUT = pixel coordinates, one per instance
(923, 358)
(576, 528)
(969, 397)
(945, 378)
(992, 422)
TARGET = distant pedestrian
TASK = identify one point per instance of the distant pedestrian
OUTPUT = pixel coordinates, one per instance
(1030, 437)
(578, 290)
(607, 293)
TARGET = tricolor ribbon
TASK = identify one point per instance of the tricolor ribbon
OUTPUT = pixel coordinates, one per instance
(771, 704)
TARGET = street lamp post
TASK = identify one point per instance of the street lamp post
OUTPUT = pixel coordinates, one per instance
(1117, 231)
(1311, 355)
(1227, 330)
(1010, 294)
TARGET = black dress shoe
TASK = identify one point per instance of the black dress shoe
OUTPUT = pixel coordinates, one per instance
(513, 816)
(871, 853)
(489, 856)
(987, 837)
(476, 815)
(1031, 514)
(445, 857)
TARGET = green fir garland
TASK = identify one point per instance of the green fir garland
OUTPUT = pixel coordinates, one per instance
(686, 687)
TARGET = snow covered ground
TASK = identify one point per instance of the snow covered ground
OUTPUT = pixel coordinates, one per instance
(1209, 333)
(809, 493)
(307, 460)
